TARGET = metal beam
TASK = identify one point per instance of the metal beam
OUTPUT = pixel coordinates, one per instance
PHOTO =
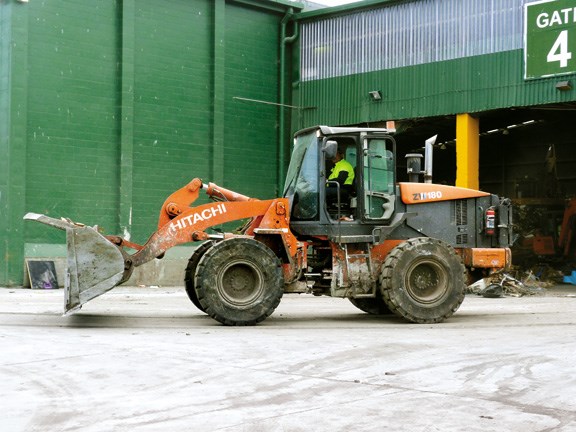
(218, 89)
(127, 118)
(467, 151)
(14, 21)
(272, 5)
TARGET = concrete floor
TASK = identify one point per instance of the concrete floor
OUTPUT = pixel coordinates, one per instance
(144, 359)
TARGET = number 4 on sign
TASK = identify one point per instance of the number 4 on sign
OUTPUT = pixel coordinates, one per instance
(559, 51)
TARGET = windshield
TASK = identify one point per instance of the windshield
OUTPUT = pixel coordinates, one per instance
(301, 186)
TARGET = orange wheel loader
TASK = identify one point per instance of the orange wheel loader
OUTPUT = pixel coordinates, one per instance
(408, 248)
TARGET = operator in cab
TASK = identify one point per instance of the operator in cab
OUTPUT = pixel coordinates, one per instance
(343, 173)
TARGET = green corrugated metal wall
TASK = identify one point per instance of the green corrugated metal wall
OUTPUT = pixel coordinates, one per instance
(72, 106)
(470, 84)
(427, 58)
(107, 107)
(171, 103)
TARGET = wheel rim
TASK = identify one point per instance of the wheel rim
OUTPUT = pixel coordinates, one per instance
(427, 281)
(240, 283)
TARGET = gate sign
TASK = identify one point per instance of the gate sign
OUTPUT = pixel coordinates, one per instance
(549, 38)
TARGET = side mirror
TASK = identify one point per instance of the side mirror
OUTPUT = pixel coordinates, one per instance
(330, 148)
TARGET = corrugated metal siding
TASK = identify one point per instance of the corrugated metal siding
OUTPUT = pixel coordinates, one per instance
(408, 34)
(470, 60)
(250, 150)
(470, 84)
(172, 59)
(71, 110)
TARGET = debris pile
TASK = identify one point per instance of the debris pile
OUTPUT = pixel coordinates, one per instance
(503, 284)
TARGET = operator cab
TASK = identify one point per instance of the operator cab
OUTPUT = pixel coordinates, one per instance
(320, 199)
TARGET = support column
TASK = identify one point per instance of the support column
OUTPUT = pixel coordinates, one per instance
(13, 139)
(218, 91)
(127, 117)
(467, 151)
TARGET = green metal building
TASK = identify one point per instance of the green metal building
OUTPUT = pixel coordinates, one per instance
(107, 107)
(499, 73)
(426, 58)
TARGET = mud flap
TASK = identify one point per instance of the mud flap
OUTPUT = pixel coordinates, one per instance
(95, 265)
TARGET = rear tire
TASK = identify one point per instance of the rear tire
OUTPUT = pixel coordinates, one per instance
(423, 280)
(372, 306)
(190, 273)
(239, 281)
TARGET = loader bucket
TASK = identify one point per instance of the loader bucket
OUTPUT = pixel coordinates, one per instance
(95, 265)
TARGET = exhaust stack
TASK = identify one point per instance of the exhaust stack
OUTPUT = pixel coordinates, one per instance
(428, 154)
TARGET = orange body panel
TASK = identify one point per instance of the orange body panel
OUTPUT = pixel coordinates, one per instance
(486, 257)
(381, 251)
(419, 193)
(276, 221)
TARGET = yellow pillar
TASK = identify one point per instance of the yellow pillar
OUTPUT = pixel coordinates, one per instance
(467, 151)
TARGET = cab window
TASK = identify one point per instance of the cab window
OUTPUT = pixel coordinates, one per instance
(378, 174)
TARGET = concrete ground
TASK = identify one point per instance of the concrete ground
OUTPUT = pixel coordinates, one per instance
(144, 359)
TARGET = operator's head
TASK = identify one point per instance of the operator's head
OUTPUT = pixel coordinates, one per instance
(338, 156)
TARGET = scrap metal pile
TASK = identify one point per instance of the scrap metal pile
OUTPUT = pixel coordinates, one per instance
(504, 284)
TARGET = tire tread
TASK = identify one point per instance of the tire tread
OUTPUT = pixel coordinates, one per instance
(390, 266)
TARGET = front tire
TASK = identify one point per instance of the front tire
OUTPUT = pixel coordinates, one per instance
(190, 273)
(239, 281)
(423, 280)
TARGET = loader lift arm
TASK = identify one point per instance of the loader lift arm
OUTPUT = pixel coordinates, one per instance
(98, 263)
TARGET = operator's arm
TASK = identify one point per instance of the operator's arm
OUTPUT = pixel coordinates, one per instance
(342, 177)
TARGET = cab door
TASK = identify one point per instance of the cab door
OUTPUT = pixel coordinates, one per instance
(378, 178)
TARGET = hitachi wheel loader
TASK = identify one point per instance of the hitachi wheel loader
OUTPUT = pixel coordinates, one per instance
(407, 248)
